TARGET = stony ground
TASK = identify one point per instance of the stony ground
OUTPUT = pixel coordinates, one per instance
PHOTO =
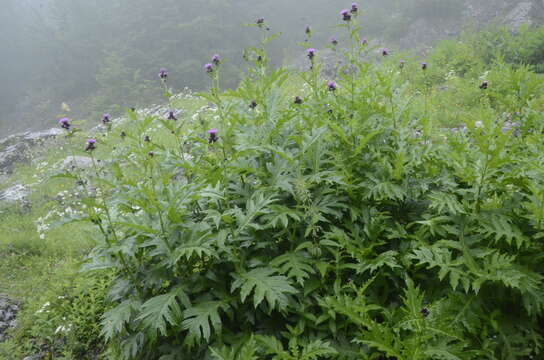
(8, 314)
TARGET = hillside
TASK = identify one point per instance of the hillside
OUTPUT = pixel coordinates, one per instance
(390, 210)
(424, 28)
(61, 53)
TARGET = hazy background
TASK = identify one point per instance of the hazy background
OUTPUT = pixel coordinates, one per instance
(103, 55)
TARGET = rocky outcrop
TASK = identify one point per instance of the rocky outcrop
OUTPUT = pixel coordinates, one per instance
(8, 312)
(425, 30)
(17, 149)
(14, 193)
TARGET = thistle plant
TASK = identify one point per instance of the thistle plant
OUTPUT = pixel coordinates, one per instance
(318, 225)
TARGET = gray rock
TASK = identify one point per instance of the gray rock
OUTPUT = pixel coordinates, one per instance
(14, 193)
(8, 312)
(519, 15)
(16, 149)
(82, 162)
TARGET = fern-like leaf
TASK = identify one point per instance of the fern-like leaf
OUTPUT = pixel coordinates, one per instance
(265, 285)
(295, 265)
(200, 319)
(161, 310)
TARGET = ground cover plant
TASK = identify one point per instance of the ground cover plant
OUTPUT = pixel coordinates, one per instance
(392, 212)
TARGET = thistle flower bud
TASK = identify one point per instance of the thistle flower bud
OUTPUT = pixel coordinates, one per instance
(346, 16)
(163, 74)
(171, 115)
(209, 68)
(91, 145)
(331, 86)
(311, 53)
(212, 136)
(216, 60)
(65, 123)
(354, 8)
(106, 118)
(298, 100)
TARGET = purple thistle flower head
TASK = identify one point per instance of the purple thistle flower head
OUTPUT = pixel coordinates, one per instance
(216, 59)
(209, 68)
(402, 63)
(424, 66)
(385, 51)
(354, 8)
(346, 16)
(106, 118)
(364, 41)
(311, 53)
(65, 123)
(172, 115)
(91, 145)
(163, 74)
(334, 41)
(212, 136)
(331, 86)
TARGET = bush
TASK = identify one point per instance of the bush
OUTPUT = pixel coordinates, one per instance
(64, 322)
(347, 225)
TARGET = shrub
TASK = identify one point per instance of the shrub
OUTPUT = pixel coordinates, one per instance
(64, 321)
(347, 225)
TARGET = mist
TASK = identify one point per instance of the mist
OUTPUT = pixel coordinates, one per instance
(91, 57)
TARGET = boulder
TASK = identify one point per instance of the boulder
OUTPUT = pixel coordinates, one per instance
(14, 193)
(8, 312)
(17, 149)
(82, 162)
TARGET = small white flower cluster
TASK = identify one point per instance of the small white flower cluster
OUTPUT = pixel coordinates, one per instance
(42, 227)
(63, 328)
(44, 308)
(185, 94)
(203, 111)
(451, 75)
(42, 165)
(42, 223)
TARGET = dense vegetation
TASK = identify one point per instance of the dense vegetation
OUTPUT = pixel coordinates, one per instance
(393, 212)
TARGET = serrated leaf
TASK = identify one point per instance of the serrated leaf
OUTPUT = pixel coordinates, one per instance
(200, 319)
(159, 311)
(264, 285)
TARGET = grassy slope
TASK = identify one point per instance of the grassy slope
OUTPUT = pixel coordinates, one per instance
(33, 269)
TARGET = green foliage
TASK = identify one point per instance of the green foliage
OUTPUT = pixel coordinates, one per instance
(355, 225)
(64, 321)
